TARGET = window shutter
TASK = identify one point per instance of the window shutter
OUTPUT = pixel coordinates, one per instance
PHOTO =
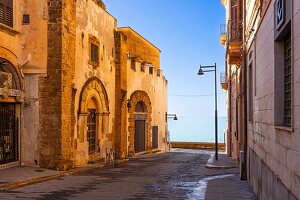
(6, 12)
(1, 11)
(9, 12)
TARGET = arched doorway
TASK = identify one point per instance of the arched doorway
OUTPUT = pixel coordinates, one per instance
(93, 118)
(10, 96)
(140, 128)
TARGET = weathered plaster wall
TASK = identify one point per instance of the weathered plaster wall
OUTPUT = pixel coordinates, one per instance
(133, 47)
(28, 54)
(156, 88)
(93, 21)
(33, 57)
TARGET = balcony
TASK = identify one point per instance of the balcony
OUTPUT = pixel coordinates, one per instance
(234, 39)
(224, 2)
(223, 80)
(223, 34)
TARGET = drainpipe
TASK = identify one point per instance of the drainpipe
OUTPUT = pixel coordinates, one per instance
(230, 114)
(244, 168)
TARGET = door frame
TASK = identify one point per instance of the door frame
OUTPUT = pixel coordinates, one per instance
(140, 117)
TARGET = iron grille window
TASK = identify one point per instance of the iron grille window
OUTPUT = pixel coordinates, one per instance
(6, 12)
(287, 81)
(94, 53)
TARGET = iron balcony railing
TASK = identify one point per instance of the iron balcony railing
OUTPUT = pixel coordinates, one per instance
(234, 30)
(223, 78)
(223, 29)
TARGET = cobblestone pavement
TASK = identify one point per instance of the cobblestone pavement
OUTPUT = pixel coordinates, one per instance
(174, 175)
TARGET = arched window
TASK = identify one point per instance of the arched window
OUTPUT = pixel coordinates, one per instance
(9, 75)
(139, 107)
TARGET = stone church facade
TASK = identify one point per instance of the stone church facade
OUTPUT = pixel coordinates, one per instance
(61, 101)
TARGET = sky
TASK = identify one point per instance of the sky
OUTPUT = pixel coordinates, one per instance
(187, 32)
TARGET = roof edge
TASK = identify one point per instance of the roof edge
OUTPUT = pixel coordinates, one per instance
(127, 27)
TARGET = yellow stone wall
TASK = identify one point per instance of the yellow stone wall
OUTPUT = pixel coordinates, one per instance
(140, 48)
(25, 46)
(94, 23)
(135, 84)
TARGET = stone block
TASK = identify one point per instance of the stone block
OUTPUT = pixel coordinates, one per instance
(280, 191)
(293, 158)
(296, 185)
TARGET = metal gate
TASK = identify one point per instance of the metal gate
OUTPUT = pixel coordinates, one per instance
(91, 132)
(140, 133)
(8, 134)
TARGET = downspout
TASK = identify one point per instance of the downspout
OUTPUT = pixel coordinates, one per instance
(244, 172)
(230, 114)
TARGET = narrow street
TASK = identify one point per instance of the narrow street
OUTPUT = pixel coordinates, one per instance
(174, 175)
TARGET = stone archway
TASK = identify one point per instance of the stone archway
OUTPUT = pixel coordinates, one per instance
(11, 95)
(93, 114)
(136, 98)
(10, 82)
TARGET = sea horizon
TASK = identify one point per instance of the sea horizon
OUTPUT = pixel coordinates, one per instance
(196, 129)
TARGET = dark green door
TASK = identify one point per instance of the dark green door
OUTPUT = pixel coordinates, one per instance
(139, 136)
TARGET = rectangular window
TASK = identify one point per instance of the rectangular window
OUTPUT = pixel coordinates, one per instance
(132, 64)
(143, 67)
(158, 72)
(287, 81)
(151, 70)
(250, 93)
(94, 53)
(26, 19)
(6, 12)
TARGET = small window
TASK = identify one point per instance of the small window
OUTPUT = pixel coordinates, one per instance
(151, 70)
(158, 72)
(94, 53)
(133, 64)
(26, 19)
(143, 67)
(6, 12)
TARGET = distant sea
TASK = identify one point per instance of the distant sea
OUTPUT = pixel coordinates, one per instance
(195, 129)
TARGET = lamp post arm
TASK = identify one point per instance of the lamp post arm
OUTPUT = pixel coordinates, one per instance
(207, 66)
(209, 70)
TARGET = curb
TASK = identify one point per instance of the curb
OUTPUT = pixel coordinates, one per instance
(121, 161)
(10, 186)
(209, 166)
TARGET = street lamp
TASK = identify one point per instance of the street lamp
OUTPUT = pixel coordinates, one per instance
(174, 116)
(171, 116)
(213, 68)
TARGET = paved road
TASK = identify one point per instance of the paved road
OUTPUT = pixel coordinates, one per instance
(175, 175)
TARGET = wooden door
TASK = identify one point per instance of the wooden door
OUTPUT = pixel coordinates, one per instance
(91, 131)
(139, 136)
